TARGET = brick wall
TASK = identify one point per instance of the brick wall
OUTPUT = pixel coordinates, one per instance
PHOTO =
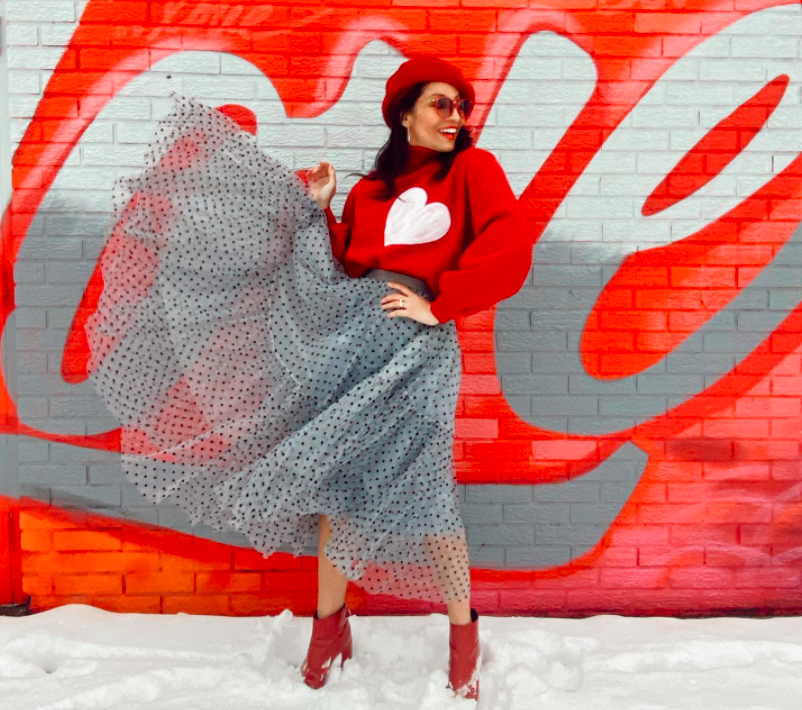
(628, 422)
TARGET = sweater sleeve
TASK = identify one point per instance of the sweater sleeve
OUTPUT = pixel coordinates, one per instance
(497, 261)
(340, 232)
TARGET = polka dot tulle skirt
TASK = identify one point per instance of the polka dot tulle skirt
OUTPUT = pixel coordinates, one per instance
(257, 385)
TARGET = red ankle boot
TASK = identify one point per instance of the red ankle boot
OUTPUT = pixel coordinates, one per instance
(465, 658)
(331, 637)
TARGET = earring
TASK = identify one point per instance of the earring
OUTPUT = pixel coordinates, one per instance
(408, 139)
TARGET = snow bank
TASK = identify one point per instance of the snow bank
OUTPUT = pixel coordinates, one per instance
(78, 657)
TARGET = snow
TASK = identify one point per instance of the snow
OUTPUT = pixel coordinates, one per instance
(84, 658)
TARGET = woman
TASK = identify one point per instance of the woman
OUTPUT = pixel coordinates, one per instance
(287, 388)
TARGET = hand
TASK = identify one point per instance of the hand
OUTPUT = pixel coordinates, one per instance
(322, 183)
(415, 307)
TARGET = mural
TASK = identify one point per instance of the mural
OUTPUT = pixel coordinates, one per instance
(628, 428)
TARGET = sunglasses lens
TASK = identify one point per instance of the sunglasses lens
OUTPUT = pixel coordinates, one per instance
(444, 106)
(465, 107)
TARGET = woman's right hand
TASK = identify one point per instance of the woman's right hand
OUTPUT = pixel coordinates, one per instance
(322, 183)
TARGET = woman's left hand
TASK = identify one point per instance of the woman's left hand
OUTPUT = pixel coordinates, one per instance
(415, 306)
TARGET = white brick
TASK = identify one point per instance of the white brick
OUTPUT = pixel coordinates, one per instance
(621, 184)
(195, 62)
(599, 208)
(611, 162)
(155, 83)
(56, 35)
(17, 35)
(766, 24)
(22, 106)
(764, 47)
(699, 93)
(123, 108)
(785, 117)
(541, 69)
(732, 69)
(640, 139)
(112, 155)
(530, 115)
(40, 11)
(665, 117)
(33, 57)
(367, 137)
(84, 179)
(376, 67)
(653, 230)
(24, 82)
(521, 161)
(231, 64)
(718, 46)
(496, 138)
(218, 87)
(579, 68)
(135, 131)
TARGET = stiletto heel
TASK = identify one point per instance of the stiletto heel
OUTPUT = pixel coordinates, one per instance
(331, 637)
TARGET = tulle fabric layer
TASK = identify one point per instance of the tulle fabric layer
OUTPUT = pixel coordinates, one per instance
(257, 384)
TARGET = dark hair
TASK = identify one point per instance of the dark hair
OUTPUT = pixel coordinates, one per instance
(393, 154)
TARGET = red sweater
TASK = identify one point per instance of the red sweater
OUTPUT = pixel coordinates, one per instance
(465, 235)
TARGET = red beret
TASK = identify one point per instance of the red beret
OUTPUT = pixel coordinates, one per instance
(423, 67)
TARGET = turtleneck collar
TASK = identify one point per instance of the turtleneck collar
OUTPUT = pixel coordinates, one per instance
(418, 155)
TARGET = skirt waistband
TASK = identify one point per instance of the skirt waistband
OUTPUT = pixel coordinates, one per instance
(406, 279)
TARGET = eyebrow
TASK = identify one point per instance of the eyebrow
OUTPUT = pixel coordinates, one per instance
(440, 93)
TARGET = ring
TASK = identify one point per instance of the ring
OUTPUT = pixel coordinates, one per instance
(401, 303)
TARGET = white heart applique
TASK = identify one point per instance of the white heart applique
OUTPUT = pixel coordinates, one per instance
(412, 221)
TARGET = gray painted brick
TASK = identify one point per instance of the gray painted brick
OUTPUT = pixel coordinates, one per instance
(618, 491)
(633, 405)
(702, 363)
(498, 493)
(577, 491)
(546, 320)
(486, 555)
(47, 294)
(71, 273)
(573, 534)
(30, 317)
(668, 384)
(100, 474)
(539, 298)
(581, 425)
(32, 407)
(567, 405)
(537, 556)
(537, 512)
(33, 450)
(594, 512)
(536, 384)
(521, 404)
(509, 363)
(736, 343)
(501, 534)
(131, 496)
(29, 272)
(554, 362)
(87, 496)
(509, 319)
(80, 407)
(30, 362)
(53, 475)
(480, 513)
